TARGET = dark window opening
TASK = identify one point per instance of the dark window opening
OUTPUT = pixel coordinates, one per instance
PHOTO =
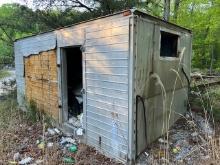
(74, 81)
(168, 44)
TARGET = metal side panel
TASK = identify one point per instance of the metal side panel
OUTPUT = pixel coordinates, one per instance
(19, 67)
(106, 60)
(143, 64)
(24, 48)
(97, 30)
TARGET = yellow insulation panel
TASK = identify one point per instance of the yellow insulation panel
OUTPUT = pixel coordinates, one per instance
(41, 84)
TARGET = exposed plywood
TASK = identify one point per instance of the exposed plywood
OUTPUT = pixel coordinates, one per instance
(41, 82)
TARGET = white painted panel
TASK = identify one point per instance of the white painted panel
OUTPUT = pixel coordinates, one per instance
(107, 55)
(108, 70)
(36, 44)
(111, 93)
(26, 47)
(107, 48)
(75, 35)
(118, 78)
(107, 112)
(19, 74)
(105, 63)
(106, 149)
(108, 32)
(107, 126)
(70, 37)
(120, 109)
(111, 40)
(104, 84)
(121, 147)
(108, 25)
(107, 98)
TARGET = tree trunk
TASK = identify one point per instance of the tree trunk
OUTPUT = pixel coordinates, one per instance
(166, 12)
(212, 59)
(176, 9)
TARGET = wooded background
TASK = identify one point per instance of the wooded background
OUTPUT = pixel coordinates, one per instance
(201, 16)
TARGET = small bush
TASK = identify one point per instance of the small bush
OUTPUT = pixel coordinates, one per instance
(4, 73)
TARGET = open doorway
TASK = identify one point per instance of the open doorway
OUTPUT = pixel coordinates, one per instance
(74, 79)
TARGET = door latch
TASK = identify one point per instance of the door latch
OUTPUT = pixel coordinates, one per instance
(83, 91)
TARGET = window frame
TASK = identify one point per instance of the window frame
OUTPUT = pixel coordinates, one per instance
(178, 44)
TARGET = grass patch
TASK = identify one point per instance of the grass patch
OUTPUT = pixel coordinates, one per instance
(4, 73)
(207, 100)
(8, 110)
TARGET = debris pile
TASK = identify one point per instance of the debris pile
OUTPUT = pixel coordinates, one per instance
(187, 143)
(31, 145)
(7, 84)
(75, 110)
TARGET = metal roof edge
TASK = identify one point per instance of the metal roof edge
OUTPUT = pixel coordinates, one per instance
(52, 30)
(140, 12)
(134, 11)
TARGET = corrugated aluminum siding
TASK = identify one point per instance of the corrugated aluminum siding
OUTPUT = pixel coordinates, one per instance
(106, 63)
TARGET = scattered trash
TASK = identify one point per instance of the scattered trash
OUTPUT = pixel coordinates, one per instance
(73, 148)
(205, 157)
(160, 153)
(183, 152)
(176, 149)
(13, 162)
(75, 122)
(57, 130)
(41, 145)
(162, 140)
(79, 132)
(146, 154)
(195, 134)
(25, 140)
(65, 140)
(187, 116)
(25, 161)
(51, 131)
(80, 118)
(68, 160)
(187, 142)
(39, 161)
(16, 156)
(49, 145)
(203, 124)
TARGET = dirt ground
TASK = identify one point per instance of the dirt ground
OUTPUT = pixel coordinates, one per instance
(26, 139)
(188, 143)
(27, 136)
(193, 139)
